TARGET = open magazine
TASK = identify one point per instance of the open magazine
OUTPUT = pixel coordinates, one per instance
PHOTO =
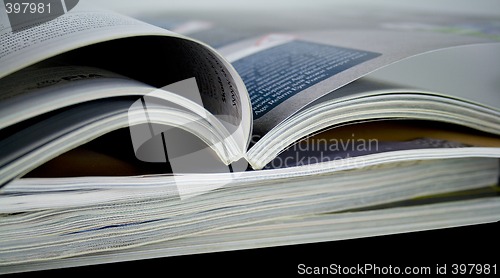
(113, 130)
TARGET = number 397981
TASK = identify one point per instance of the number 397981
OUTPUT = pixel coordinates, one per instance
(27, 8)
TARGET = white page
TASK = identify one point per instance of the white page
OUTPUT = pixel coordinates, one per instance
(224, 94)
(82, 26)
(308, 71)
(470, 73)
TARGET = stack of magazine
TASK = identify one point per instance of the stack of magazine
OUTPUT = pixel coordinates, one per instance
(121, 140)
